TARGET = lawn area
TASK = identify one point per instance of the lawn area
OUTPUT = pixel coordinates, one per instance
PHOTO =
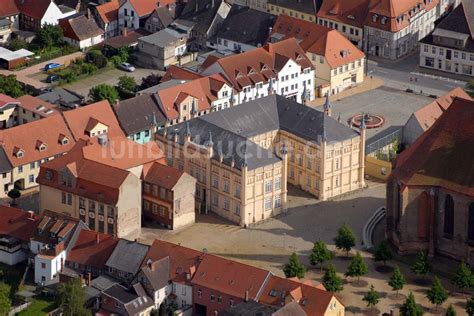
(12, 275)
(39, 306)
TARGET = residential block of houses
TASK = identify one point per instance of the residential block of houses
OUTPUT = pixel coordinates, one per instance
(36, 13)
(107, 17)
(81, 31)
(282, 68)
(133, 14)
(450, 47)
(243, 157)
(337, 62)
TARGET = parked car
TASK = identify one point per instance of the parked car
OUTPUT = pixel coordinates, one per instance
(127, 67)
(52, 78)
(52, 66)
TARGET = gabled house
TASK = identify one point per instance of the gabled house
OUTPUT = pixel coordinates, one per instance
(133, 14)
(106, 15)
(81, 31)
(55, 235)
(302, 9)
(126, 260)
(338, 63)
(203, 18)
(35, 13)
(277, 68)
(450, 47)
(161, 18)
(9, 20)
(234, 36)
(119, 300)
(91, 252)
(181, 100)
(17, 227)
(140, 117)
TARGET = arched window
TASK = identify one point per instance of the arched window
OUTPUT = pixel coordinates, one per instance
(470, 223)
(448, 216)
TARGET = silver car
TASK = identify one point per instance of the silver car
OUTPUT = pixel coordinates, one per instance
(127, 67)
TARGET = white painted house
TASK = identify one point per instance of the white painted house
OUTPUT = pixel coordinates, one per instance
(35, 13)
(281, 68)
(81, 31)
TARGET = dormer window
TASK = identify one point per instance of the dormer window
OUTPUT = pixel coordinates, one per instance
(18, 152)
(384, 20)
(374, 18)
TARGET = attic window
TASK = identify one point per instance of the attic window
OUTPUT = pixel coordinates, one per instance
(273, 293)
(18, 152)
(374, 18)
(384, 20)
(41, 146)
(351, 17)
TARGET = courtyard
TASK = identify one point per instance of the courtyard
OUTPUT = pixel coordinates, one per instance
(269, 245)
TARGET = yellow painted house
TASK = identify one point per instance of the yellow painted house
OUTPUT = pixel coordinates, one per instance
(301, 9)
(338, 63)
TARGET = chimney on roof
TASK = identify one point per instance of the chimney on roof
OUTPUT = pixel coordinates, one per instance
(212, 3)
(197, 6)
(89, 13)
(247, 295)
(89, 277)
(97, 238)
(125, 31)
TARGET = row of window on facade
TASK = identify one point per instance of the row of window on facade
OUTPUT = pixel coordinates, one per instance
(212, 298)
(156, 209)
(440, 51)
(335, 26)
(448, 227)
(158, 191)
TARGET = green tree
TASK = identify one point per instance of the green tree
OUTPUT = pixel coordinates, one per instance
(421, 266)
(5, 301)
(397, 280)
(470, 88)
(463, 279)
(320, 254)
(126, 85)
(383, 253)
(357, 268)
(294, 268)
(17, 43)
(437, 295)
(10, 86)
(49, 36)
(71, 297)
(450, 311)
(104, 92)
(470, 306)
(331, 281)
(345, 239)
(410, 308)
(14, 194)
(372, 298)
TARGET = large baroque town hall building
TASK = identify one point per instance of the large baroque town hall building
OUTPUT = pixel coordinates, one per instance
(430, 194)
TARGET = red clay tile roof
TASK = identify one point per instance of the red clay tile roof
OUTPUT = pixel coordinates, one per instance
(38, 106)
(427, 115)
(178, 73)
(202, 89)
(102, 111)
(8, 8)
(345, 11)
(25, 137)
(229, 277)
(5, 99)
(162, 175)
(442, 156)
(261, 64)
(92, 249)
(182, 260)
(319, 40)
(312, 299)
(392, 10)
(108, 11)
(33, 8)
(17, 223)
(146, 7)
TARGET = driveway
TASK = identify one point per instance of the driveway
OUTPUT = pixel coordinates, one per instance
(110, 77)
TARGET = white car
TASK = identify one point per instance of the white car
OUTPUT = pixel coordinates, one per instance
(127, 67)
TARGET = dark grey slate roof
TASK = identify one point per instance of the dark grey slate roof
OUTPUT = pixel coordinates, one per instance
(120, 293)
(291, 309)
(159, 273)
(277, 112)
(231, 145)
(253, 32)
(102, 282)
(5, 165)
(60, 96)
(204, 15)
(164, 15)
(306, 6)
(231, 128)
(136, 114)
(127, 256)
(461, 20)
